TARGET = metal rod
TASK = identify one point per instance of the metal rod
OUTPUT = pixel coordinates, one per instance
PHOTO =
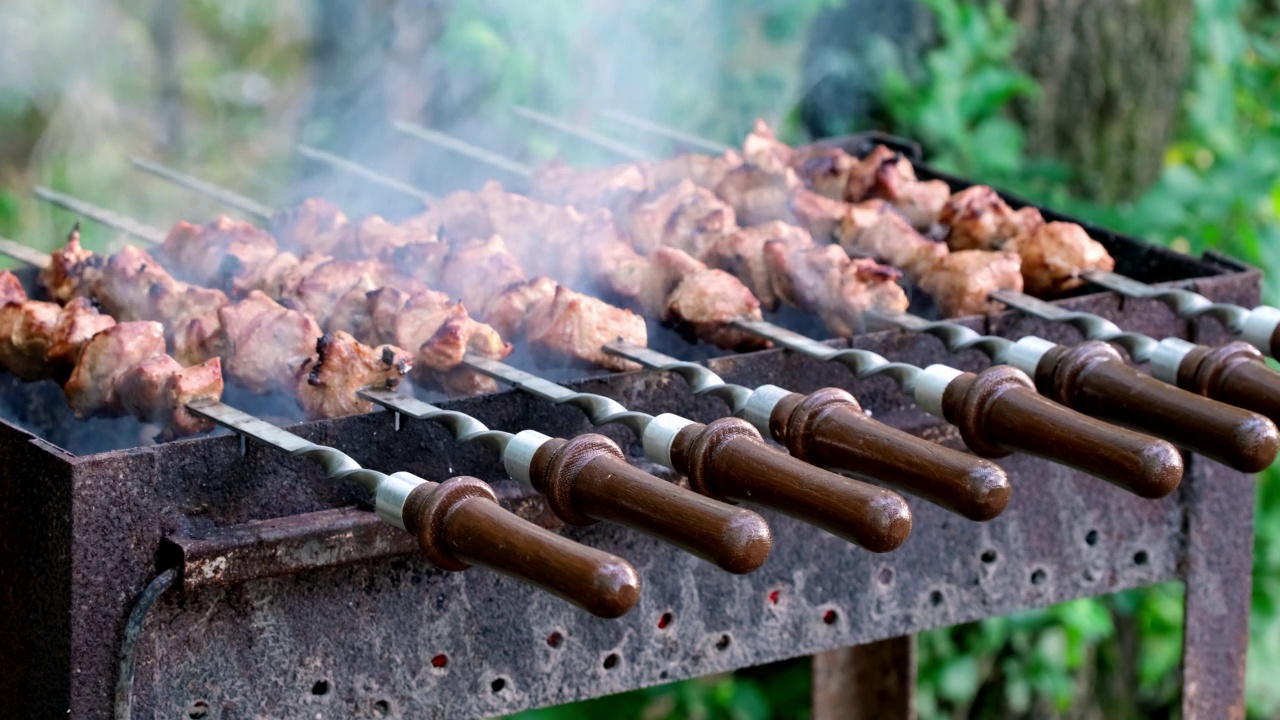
(600, 410)
(582, 133)
(955, 336)
(463, 147)
(1140, 347)
(221, 194)
(464, 427)
(701, 380)
(1187, 304)
(863, 363)
(128, 657)
(663, 131)
(24, 253)
(142, 231)
(366, 172)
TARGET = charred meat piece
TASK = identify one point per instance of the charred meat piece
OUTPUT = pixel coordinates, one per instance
(26, 329)
(685, 217)
(763, 149)
(757, 196)
(962, 281)
(741, 254)
(575, 326)
(11, 290)
(824, 170)
(313, 225)
(94, 387)
(72, 271)
(266, 343)
(700, 301)
(133, 286)
(873, 229)
(509, 312)
(320, 291)
(421, 260)
(1054, 256)
(78, 322)
(821, 216)
(887, 175)
(438, 331)
(824, 280)
(159, 389)
(223, 253)
(979, 219)
(478, 271)
(341, 367)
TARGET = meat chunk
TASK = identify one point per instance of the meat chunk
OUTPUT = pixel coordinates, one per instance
(741, 254)
(700, 301)
(617, 186)
(576, 327)
(962, 281)
(757, 196)
(375, 237)
(705, 171)
(159, 389)
(78, 322)
(979, 219)
(1055, 255)
(509, 312)
(763, 149)
(840, 290)
(439, 332)
(887, 175)
(313, 225)
(873, 229)
(320, 292)
(685, 217)
(266, 343)
(223, 253)
(133, 286)
(478, 271)
(72, 271)
(341, 367)
(821, 216)
(11, 290)
(94, 387)
(25, 332)
(825, 170)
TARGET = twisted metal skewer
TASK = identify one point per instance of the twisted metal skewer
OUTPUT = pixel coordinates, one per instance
(464, 427)
(127, 225)
(700, 378)
(1186, 304)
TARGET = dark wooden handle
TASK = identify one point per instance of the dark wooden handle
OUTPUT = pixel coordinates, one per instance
(1236, 374)
(1094, 379)
(998, 412)
(828, 428)
(459, 523)
(729, 459)
(587, 479)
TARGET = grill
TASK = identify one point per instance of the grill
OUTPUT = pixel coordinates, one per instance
(220, 577)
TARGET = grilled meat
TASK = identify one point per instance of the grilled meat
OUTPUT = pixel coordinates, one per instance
(741, 253)
(78, 322)
(266, 343)
(26, 333)
(979, 219)
(685, 217)
(159, 389)
(825, 281)
(873, 229)
(223, 253)
(508, 312)
(72, 271)
(572, 325)
(962, 281)
(887, 175)
(1055, 254)
(340, 368)
(313, 225)
(702, 301)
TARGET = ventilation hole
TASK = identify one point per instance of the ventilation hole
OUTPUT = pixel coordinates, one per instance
(989, 556)
(830, 617)
(611, 661)
(885, 576)
(1141, 557)
(199, 709)
(1089, 576)
(723, 643)
(774, 596)
(1038, 577)
(320, 688)
(555, 639)
(936, 597)
(1091, 538)
(382, 707)
(662, 675)
(665, 620)
(498, 685)
(439, 661)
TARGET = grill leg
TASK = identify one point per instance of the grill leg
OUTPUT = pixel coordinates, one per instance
(876, 680)
(1218, 582)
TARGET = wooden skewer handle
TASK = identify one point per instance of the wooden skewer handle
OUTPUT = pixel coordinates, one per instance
(1094, 379)
(1236, 374)
(587, 479)
(998, 411)
(828, 428)
(459, 523)
(729, 459)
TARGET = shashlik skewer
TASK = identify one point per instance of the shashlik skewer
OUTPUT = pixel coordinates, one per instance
(586, 479)
(998, 412)
(828, 428)
(1094, 379)
(727, 459)
(1235, 373)
(459, 523)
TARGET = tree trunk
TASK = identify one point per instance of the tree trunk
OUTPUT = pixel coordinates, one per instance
(1111, 73)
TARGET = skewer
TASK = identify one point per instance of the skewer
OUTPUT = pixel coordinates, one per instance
(459, 523)
(454, 528)
(461, 147)
(828, 428)
(1235, 373)
(574, 130)
(365, 172)
(728, 459)
(141, 231)
(25, 253)
(1094, 379)
(663, 131)
(998, 412)
(221, 194)
(587, 479)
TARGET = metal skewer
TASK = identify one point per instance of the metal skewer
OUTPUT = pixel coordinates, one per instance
(219, 193)
(728, 459)
(575, 130)
(138, 230)
(828, 428)
(998, 411)
(663, 131)
(587, 479)
(366, 172)
(462, 147)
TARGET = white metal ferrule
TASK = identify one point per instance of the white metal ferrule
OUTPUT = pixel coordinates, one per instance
(1168, 357)
(1027, 352)
(391, 494)
(760, 405)
(518, 457)
(660, 434)
(1259, 326)
(930, 386)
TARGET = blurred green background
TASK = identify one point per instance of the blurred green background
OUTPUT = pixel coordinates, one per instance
(1182, 147)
